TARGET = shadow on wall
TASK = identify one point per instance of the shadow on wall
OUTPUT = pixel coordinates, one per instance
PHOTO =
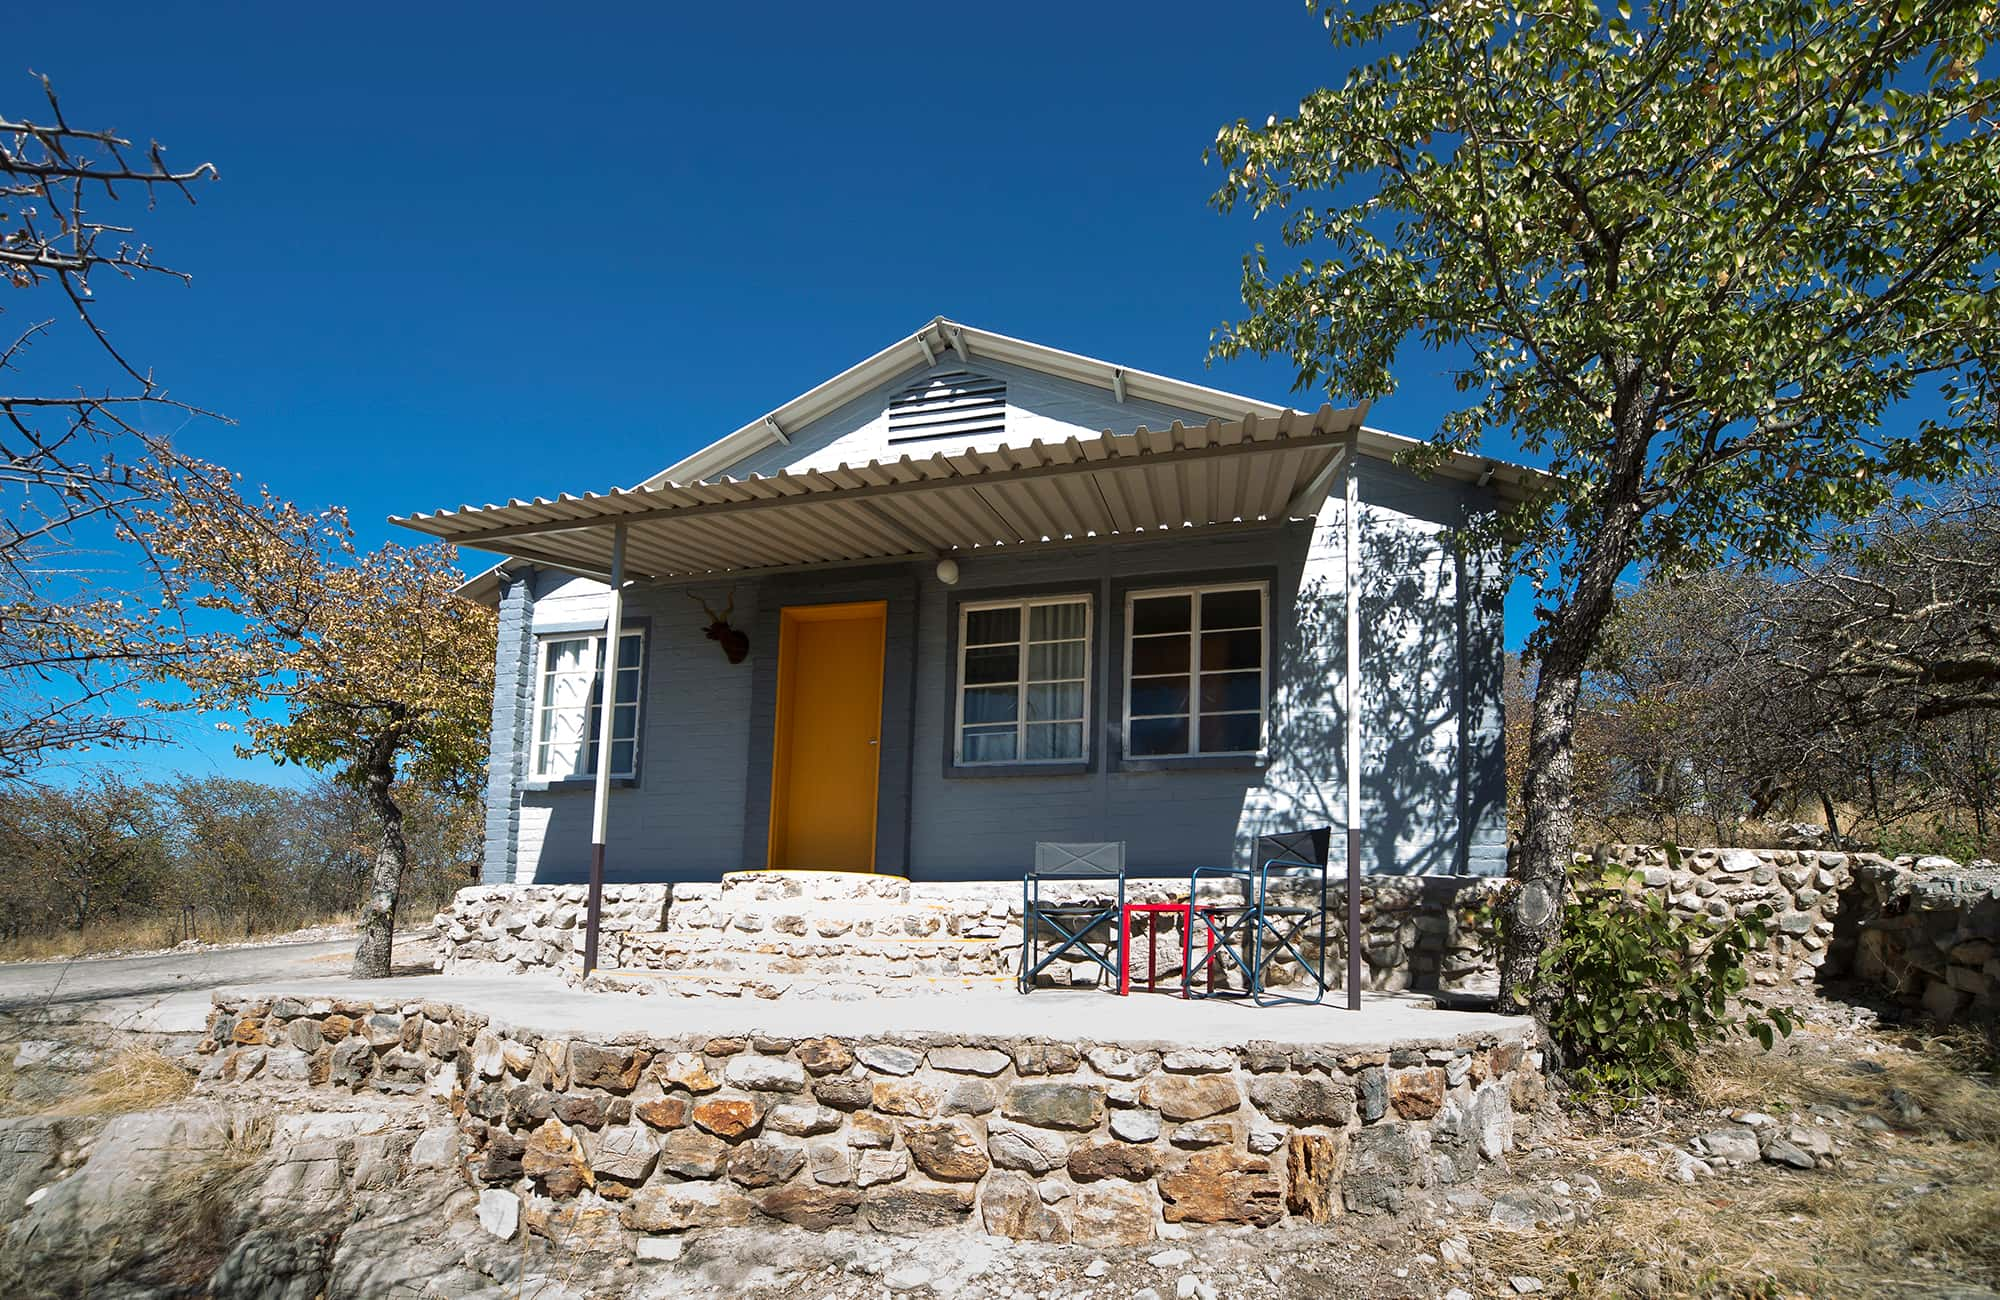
(1431, 773)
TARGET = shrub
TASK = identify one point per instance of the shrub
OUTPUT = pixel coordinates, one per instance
(1630, 991)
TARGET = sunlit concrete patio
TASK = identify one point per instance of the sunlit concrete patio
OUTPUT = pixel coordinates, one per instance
(544, 1004)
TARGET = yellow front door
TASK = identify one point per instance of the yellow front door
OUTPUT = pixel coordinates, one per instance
(826, 756)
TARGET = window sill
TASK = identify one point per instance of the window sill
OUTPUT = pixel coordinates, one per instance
(1197, 763)
(1006, 771)
(570, 783)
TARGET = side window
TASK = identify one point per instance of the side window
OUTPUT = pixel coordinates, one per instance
(1195, 663)
(568, 699)
(1023, 681)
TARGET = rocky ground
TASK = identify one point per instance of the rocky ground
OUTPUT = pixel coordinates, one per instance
(1859, 1159)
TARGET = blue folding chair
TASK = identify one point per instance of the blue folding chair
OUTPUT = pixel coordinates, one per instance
(1262, 930)
(1074, 923)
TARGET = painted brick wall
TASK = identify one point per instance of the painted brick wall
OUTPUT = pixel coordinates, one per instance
(513, 701)
(683, 817)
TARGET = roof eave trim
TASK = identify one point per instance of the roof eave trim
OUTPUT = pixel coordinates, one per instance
(922, 349)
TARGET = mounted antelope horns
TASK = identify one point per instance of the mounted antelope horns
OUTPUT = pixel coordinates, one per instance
(735, 644)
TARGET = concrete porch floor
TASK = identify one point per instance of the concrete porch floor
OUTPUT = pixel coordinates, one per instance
(543, 1004)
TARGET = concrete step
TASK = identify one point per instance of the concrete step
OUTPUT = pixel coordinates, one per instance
(778, 885)
(727, 984)
(812, 918)
(846, 957)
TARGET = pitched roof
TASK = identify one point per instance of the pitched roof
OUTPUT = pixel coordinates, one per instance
(941, 337)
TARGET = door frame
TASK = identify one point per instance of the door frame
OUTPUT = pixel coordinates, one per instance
(789, 616)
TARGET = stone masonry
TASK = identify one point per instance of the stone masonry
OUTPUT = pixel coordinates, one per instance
(1924, 928)
(1094, 1143)
(1928, 936)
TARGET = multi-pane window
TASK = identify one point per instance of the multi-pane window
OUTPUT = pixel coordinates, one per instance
(568, 701)
(1195, 666)
(1023, 674)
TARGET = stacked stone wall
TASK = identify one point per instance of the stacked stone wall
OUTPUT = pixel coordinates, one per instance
(1928, 936)
(1923, 929)
(1096, 1143)
(525, 927)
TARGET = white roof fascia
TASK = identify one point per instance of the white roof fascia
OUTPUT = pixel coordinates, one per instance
(922, 348)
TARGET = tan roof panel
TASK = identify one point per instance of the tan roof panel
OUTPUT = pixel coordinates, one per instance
(1117, 484)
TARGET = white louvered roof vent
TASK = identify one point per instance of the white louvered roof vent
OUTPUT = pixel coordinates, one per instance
(950, 404)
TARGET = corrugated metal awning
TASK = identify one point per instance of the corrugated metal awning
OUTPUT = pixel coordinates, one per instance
(1257, 469)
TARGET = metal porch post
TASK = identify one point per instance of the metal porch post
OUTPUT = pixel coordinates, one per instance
(607, 697)
(1352, 704)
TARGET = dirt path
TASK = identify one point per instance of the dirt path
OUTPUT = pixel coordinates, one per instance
(169, 992)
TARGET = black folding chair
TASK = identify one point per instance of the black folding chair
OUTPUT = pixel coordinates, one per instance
(1262, 930)
(1074, 923)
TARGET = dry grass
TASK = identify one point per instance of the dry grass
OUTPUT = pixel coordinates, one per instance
(136, 1078)
(150, 934)
(1931, 1221)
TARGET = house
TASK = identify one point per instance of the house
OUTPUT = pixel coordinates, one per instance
(976, 592)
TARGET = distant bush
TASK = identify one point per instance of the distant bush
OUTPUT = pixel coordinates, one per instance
(1630, 991)
(110, 863)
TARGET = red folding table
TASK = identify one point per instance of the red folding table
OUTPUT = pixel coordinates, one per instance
(1153, 949)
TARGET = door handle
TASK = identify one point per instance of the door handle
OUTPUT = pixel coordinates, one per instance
(875, 742)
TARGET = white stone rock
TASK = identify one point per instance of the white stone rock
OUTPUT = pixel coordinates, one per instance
(499, 1212)
(765, 1074)
(885, 1058)
(907, 1278)
(1192, 1060)
(664, 1250)
(1166, 1259)
(435, 1148)
(1525, 1285)
(1184, 1286)
(1097, 1268)
(1136, 1125)
(881, 1167)
(1735, 1146)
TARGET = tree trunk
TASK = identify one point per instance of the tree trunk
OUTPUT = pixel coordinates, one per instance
(1548, 836)
(377, 938)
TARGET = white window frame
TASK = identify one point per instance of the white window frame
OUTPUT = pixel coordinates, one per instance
(1194, 714)
(1024, 604)
(538, 748)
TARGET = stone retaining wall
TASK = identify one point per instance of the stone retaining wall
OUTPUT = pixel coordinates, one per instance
(1036, 1139)
(519, 927)
(1924, 928)
(1930, 938)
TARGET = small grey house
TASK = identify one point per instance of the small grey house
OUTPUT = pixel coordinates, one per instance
(975, 592)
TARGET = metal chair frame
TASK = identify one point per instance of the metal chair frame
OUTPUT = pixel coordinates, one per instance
(1253, 921)
(1074, 922)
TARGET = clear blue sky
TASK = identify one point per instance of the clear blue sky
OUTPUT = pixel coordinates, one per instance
(459, 253)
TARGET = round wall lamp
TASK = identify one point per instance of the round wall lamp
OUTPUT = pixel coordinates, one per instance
(947, 571)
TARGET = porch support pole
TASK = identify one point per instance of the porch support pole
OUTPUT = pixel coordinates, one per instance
(1351, 703)
(607, 710)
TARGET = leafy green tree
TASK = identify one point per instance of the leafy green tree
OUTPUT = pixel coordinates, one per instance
(1693, 257)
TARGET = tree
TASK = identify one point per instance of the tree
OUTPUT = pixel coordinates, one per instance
(1899, 621)
(376, 668)
(80, 450)
(1694, 258)
(239, 849)
(88, 853)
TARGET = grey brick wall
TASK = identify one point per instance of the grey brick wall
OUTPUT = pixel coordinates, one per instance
(513, 705)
